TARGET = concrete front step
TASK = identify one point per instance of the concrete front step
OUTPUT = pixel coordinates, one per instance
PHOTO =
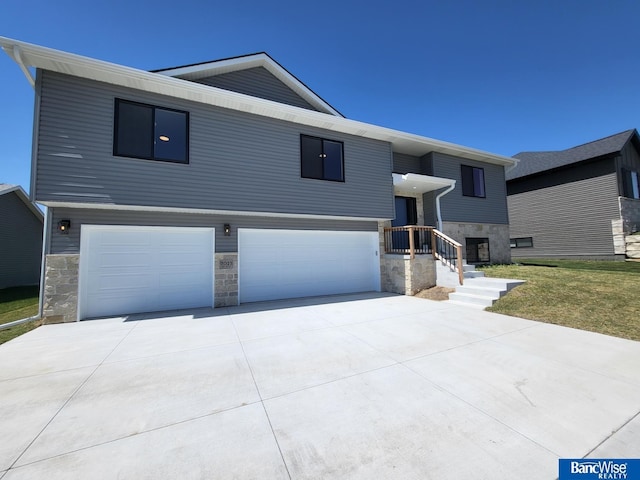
(482, 292)
(472, 274)
(471, 300)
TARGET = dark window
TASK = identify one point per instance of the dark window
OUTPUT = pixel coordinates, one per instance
(152, 133)
(477, 250)
(472, 181)
(524, 242)
(321, 159)
(630, 183)
(406, 214)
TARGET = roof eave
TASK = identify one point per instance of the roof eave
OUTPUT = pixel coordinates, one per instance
(98, 70)
(22, 195)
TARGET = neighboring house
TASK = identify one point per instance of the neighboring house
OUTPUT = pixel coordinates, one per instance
(579, 202)
(20, 238)
(229, 182)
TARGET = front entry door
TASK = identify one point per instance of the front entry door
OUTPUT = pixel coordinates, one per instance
(406, 214)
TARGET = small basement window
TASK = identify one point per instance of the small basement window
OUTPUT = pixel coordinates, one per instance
(472, 181)
(523, 242)
(321, 159)
(477, 250)
(151, 133)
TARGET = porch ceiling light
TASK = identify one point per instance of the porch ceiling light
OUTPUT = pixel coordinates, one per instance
(164, 138)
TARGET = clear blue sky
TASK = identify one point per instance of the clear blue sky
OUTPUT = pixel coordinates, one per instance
(498, 75)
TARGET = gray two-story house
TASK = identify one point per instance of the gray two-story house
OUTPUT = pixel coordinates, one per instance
(228, 182)
(578, 202)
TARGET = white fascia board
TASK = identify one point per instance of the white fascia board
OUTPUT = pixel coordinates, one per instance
(204, 211)
(84, 67)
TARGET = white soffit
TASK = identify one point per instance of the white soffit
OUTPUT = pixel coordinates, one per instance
(85, 67)
(415, 183)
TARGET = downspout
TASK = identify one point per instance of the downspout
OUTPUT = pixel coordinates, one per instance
(17, 56)
(438, 214)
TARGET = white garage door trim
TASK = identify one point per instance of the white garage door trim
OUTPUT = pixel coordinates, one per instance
(276, 264)
(183, 279)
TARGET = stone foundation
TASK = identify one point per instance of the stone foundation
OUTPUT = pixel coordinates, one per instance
(632, 246)
(60, 302)
(226, 286)
(400, 274)
(617, 230)
(498, 235)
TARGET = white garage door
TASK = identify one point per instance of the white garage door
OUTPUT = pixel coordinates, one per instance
(274, 264)
(129, 269)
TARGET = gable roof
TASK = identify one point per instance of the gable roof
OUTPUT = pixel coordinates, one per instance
(29, 55)
(6, 188)
(198, 71)
(536, 162)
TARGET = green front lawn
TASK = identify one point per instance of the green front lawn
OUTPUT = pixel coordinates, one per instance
(15, 304)
(599, 296)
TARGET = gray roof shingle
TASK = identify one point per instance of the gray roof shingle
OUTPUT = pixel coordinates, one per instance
(535, 162)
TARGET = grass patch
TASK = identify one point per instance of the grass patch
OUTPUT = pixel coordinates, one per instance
(599, 296)
(15, 304)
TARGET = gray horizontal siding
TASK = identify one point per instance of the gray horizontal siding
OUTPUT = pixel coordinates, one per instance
(455, 207)
(257, 82)
(567, 219)
(70, 243)
(20, 243)
(403, 163)
(238, 161)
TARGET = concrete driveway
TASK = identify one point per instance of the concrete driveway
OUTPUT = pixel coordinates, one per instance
(356, 387)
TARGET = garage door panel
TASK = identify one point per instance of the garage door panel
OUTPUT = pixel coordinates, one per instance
(138, 269)
(296, 263)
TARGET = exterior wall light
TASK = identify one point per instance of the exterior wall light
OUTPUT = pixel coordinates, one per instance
(227, 230)
(64, 226)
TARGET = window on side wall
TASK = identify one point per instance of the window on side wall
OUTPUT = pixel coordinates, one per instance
(523, 242)
(473, 181)
(630, 183)
(477, 250)
(321, 159)
(150, 132)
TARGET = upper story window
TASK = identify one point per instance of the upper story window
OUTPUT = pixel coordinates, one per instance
(473, 181)
(149, 132)
(630, 183)
(321, 158)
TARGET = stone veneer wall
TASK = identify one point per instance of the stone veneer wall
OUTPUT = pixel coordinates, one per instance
(632, 246)
(498, 235)
(400, 274)
(226, 280)
(628, 223)
(60, 302)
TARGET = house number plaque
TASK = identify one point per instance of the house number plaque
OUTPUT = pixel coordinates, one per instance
(225, 264)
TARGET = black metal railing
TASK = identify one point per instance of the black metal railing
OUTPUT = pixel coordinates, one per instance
(418, 240)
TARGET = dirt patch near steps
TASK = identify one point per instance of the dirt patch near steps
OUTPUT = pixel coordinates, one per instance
(436, 293)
